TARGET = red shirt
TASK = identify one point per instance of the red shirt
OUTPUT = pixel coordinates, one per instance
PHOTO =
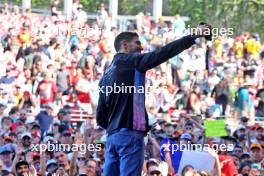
(73, 75)
(46, 90)
(228, 166)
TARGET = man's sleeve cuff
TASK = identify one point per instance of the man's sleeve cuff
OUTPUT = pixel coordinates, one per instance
(196, 38)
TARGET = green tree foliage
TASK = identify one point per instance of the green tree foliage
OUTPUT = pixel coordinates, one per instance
(91, 6)
(34, 3)
(41, 3)
(12, 1)
(133, 7)
(241, 15)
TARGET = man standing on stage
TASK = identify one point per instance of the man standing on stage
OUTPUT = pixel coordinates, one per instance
(123, 114)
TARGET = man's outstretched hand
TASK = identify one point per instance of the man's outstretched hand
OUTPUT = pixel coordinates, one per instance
(204, 30)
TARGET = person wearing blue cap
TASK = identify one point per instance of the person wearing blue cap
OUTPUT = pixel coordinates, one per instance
(185, 138)
(6, 154)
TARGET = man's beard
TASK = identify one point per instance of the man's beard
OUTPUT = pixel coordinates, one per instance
(23, 174)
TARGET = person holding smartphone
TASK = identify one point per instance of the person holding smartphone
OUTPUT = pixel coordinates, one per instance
(123, 114)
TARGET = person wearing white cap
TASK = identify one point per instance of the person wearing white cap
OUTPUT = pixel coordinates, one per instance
(154, 171)
(51, 166)
(26, 140)
(48, 138)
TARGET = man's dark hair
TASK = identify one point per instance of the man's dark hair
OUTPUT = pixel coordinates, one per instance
(124, 36)
(188, 123)
(13, 110)
(21, 163)
(53, 41)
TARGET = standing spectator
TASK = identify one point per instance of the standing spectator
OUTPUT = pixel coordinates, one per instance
(36, 73)
(193, 102)
(81, 15)
(51, 49)
(178, 25)
(213, 79)
(24, 37)
(75, 6)
(102, 16)
(243, 102)
(5, 10)
(221, 95)
(55, 8)
(45, 119)
(249, 66)
(46, 90)
(62, 80)
(83, 89)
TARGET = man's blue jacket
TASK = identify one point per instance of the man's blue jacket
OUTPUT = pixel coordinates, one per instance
(126, 108)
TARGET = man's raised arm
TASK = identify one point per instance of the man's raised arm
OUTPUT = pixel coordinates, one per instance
(146, 61)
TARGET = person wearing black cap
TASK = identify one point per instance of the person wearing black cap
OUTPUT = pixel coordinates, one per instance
(245, 157)
(123, 114)
(245, 168)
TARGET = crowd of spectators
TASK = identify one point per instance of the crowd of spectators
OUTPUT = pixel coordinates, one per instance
(51, 66)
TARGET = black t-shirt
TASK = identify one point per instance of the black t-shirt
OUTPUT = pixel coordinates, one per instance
(250, 67)
(221, 94)
(54, 9)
